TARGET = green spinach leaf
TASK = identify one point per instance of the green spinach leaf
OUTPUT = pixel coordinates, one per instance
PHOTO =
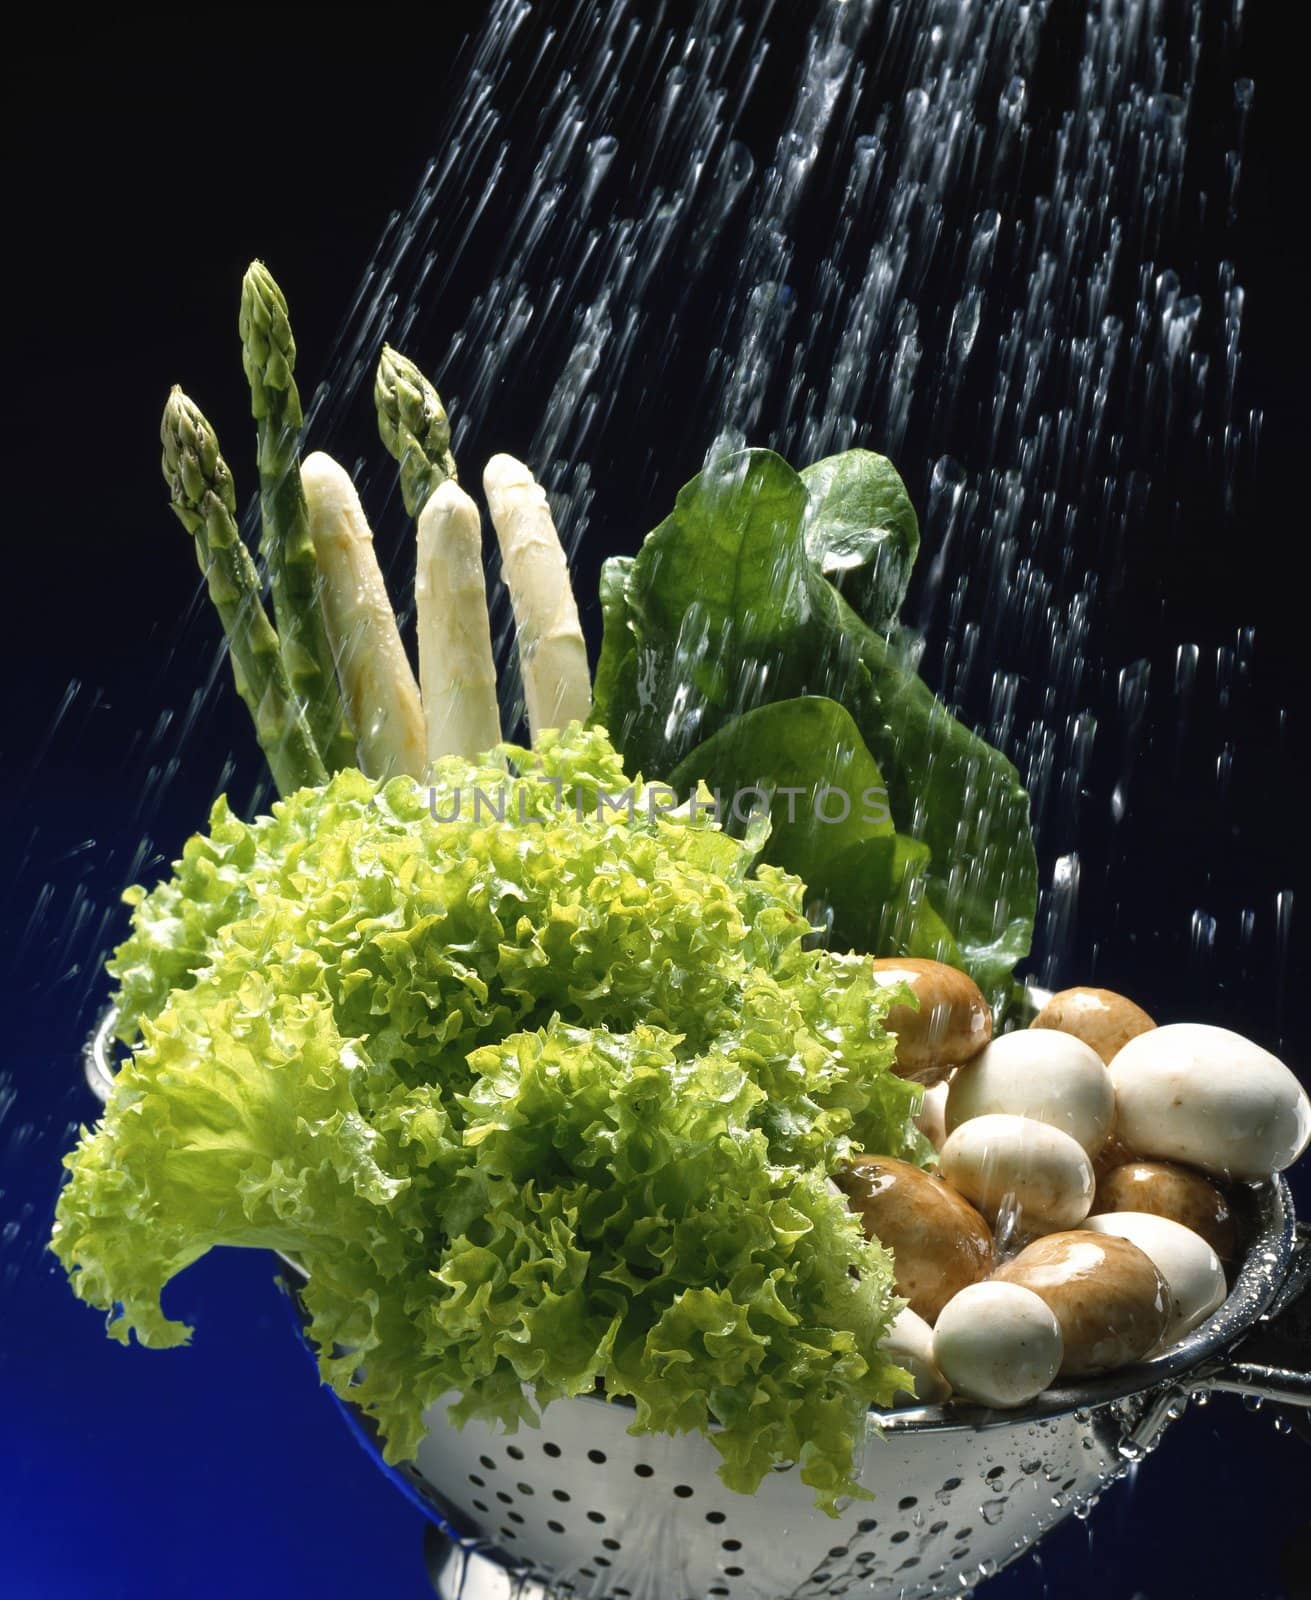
(726, 610)
(862, 532)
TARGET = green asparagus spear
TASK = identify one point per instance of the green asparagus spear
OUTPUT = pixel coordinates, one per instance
(412, 423)
(268, 353)
(206, 505)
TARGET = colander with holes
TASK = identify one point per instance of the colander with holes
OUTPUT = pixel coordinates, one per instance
(582, 1507)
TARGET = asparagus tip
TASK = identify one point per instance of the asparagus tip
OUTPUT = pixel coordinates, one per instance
(268, 348)
(192, 462)
(412, 424)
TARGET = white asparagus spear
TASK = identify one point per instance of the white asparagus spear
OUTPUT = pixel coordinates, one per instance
(552, 654)
(377, 684)
(457, 672)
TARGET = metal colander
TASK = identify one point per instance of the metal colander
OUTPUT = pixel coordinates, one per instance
(581, 1507)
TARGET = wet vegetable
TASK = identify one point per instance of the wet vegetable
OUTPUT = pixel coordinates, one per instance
(1165, 1189)
(1112, 1303)
(557, 684)
(939, 1242)
(931, 1118)
(205, 503)
(1003, 1160)
(862, 532)
(412, 423)
(1210, 1098)
(949, 1023)
(457, 669)
(376, 678)
(535, 1104)
(730, 614)
(909, 1344)
(1101, 1018)
(998, 1344)
(1048, 1076)
(268, 354)
(1183, 1258)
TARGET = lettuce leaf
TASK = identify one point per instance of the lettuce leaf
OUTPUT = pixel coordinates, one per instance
(543, 1092)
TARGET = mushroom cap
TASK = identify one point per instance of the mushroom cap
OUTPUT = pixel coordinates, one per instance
(1166, 1189)
(997, 1343)
(909, 1343)
(952, 1024)
(939, 1242)
(1103, 1019)
(1112, 1303)
(1209, 1098)
(931, 1118)
(1048, 1076)
(1000, 1159)
(1183, 1258)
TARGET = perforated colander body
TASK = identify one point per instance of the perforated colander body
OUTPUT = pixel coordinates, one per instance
(579, 1506)
(583, 1506)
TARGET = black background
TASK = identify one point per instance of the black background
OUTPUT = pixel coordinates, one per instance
(145, 164)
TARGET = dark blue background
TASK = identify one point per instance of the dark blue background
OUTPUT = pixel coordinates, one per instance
(146, 168)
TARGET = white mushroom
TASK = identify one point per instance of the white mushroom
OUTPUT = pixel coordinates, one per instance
(931, 1118)
(1001, 1159)
(1183, 1258)
(997, 1343)
(909, 1343)
(1210, 1098)
(1039, 1073)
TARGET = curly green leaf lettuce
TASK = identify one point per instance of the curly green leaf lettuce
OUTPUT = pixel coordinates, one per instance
(543, 1094)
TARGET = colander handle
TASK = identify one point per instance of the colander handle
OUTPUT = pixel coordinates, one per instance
(1270, 1363)
(1273, 1361)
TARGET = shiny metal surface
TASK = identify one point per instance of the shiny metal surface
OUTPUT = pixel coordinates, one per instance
(583, 1504)
(98, 1055)
(581, 1507)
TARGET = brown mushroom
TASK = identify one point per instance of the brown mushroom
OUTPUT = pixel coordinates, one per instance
(1166, 1189)
(1100, 1017)
(1111, 1302)
(939, 1242)
(953, 1022)
(1112, 1154)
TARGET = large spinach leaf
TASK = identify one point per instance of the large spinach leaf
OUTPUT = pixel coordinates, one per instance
(830, 822)
(862, 532)
(725, 610)
(805, 763)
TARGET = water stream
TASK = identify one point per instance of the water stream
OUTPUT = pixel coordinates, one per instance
(954, 233)
(973, 236)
